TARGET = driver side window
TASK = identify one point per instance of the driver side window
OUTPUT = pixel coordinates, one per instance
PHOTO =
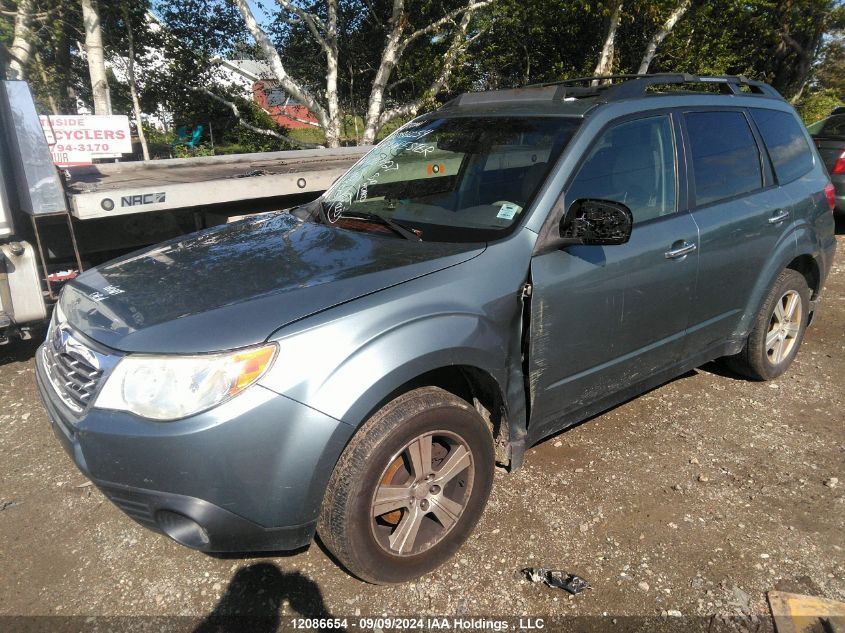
(632, 163)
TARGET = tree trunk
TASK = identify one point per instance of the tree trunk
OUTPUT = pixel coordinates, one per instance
(133, 86)
(64, 64)
(389, 58)
(332, 128)
(662, 34)
(95, 56)
(605, 65)
(395, 46)
(21, 48)
(290, 86)
(459, 43)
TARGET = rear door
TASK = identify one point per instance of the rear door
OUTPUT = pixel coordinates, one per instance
(741, 216)
(606, 317)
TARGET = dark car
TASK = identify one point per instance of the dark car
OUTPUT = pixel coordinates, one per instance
(494, 271)
(829, 136)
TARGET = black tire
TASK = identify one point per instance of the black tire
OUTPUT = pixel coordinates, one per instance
(379, 456)
(757, 360)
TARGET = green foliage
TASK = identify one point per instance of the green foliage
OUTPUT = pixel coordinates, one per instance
(830, 72)
(203, 149)
(797, 45)
(818, 105)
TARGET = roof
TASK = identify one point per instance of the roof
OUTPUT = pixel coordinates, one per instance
(578, 96)
(252, 69)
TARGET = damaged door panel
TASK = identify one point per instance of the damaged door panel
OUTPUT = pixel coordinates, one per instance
(604, 318)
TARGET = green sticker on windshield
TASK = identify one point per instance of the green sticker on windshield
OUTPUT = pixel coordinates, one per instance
(508, 211)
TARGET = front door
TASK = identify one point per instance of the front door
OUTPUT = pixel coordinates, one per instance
(606, 317)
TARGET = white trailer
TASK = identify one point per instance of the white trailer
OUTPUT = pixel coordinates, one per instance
(54, 224)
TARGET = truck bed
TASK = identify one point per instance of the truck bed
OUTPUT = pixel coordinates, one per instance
(105, 190)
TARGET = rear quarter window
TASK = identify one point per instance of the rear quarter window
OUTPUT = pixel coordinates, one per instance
(786, 143)
(725, 157)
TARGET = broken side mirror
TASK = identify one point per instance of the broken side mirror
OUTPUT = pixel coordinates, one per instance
(596, 222)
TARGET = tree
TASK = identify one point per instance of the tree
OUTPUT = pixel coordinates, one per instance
(801, 27)
(664, 31)
(605, 65)
(130, 76)
(21, 49)
(95, 56)
(324, 31)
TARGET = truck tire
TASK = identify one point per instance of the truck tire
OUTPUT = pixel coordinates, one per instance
(777, 330)
(409, 487)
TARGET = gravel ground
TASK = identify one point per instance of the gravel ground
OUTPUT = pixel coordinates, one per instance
(698, 498)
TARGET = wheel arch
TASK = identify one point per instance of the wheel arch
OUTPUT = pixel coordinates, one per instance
(473, 384)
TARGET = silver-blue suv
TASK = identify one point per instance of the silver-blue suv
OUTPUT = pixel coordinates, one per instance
(491, 273)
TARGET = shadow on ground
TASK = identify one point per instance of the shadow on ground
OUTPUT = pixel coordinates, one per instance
(253, 600)
(16, 351)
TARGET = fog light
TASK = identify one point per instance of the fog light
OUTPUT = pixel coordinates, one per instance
(182, 529)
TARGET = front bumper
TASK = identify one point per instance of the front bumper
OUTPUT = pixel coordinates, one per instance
(248, 475)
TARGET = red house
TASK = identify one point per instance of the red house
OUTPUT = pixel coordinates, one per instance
(285, 110)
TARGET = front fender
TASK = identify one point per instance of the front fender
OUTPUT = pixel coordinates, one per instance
(348, 366)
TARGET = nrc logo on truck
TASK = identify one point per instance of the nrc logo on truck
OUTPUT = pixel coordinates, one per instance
(145, 198)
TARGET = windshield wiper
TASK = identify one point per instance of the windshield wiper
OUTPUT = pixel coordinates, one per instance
(393, 225)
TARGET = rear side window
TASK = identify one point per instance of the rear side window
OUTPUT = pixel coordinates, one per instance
(787, 145)
(725, 158)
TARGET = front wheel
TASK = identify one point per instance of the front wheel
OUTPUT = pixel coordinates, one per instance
(777, 330)
(409, 488)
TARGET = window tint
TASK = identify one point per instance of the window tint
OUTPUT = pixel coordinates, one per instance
(725, 159)
(632, 163)
(784, 138)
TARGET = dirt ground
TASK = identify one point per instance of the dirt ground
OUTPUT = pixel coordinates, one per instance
(698, 498)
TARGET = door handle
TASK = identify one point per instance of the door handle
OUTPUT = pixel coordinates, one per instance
(684, 249)
(780, 217)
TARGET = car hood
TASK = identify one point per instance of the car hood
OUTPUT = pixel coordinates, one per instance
(234, 285)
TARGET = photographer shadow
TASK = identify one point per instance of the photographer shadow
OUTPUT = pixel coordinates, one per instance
(253, 600)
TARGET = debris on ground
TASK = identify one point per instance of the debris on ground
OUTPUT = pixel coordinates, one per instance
(4, 504)
(557, 579)
(797, 613)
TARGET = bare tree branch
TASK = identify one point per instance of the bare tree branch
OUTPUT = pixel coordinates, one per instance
(395, 47)
(458, 44)
(449, 18)
(301, 93)
(258, 130)
(312, 21)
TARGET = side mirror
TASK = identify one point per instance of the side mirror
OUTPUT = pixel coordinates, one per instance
(596, 222)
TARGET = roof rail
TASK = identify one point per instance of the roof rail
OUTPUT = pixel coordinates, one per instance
(611, 88)
(614, 88)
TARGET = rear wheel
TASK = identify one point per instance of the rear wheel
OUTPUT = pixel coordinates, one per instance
(409, 488)
(778, 329)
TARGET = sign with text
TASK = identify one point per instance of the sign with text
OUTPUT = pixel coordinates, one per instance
(79, 139)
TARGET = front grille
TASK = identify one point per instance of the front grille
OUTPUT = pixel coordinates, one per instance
(73, 368)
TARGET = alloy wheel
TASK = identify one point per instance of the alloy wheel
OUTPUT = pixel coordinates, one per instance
(422, 493)
(784, 327)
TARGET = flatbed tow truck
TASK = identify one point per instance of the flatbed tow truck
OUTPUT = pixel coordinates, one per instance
(55, 223)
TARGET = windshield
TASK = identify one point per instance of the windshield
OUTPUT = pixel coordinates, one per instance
(831, 127)
(451, 180)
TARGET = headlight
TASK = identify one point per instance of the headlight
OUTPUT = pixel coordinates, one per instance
(173, 387)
